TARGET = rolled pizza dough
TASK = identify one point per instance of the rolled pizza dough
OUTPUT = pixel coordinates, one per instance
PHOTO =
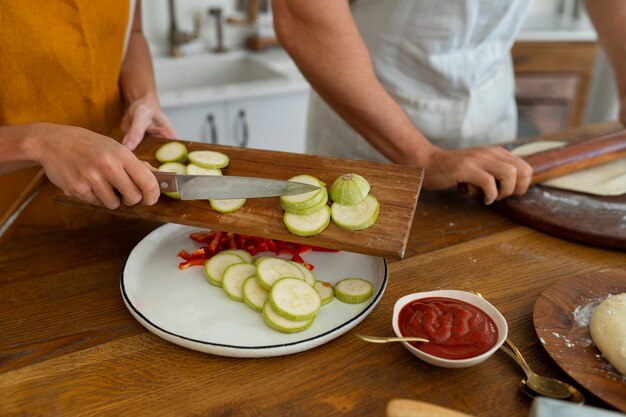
(608, 330)
(604, 180)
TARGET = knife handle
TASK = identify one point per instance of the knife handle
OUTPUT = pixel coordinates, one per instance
(167, 181)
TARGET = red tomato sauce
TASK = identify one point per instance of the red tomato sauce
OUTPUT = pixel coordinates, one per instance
(456, 329)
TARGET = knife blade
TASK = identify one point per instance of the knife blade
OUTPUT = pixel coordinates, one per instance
(199, 187)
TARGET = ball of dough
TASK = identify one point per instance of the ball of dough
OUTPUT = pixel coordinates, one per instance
(608, 330)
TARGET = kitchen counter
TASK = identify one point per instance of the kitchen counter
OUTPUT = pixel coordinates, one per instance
(210, 77)
(70, 347)
(555, 28)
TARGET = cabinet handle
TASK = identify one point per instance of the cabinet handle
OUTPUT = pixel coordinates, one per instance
(243, 121)
(211, 121)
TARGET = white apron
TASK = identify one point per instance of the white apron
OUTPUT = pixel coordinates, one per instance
(446, 62)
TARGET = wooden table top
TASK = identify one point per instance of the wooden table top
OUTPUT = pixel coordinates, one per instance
(69, 346)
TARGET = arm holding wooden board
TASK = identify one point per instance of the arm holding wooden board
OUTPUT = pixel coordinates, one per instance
(58, 120)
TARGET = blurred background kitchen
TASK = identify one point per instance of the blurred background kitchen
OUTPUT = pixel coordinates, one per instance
(231, 84)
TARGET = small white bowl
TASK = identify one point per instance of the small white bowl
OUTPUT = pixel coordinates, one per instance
(469, 298)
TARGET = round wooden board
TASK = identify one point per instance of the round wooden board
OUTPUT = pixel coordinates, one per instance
(561, 316)
(574, 216)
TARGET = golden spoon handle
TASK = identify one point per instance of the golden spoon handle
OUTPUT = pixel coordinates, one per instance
(377, 339)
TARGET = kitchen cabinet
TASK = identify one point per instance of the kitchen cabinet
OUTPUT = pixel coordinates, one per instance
(552, 82)
(203, 123)
(272, 121)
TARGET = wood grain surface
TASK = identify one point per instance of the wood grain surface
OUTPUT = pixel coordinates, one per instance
(396, 187)
(561, 316)
(69, 346)
(576, 216)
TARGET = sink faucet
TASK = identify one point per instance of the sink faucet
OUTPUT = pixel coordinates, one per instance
(179, 38)
(216, 13)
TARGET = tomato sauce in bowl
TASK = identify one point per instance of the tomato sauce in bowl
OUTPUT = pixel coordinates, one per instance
(455, 328)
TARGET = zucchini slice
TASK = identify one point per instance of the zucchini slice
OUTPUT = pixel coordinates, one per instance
(294, 299)
(282, 324)
(245, 255)
(227, 205)
(304, 201)
(269, 270)
(353, 290)
(307, 224)
(209, 159)
(253, 294)
(233, 278)
(193, 169)
(214, 268)
(172, 152)
(309, 277)
(325, 290)
(357, 217)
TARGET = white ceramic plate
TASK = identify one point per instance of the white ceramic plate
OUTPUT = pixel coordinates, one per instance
(183, 308)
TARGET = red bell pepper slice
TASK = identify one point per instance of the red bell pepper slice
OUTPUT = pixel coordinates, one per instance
(192, 262)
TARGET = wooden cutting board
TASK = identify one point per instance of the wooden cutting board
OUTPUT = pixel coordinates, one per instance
(396, 187)
(575, 216)
(561, 316)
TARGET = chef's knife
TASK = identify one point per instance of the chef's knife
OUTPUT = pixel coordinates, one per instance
(198, 187)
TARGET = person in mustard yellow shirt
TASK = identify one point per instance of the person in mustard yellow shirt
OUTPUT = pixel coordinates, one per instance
(77, 95)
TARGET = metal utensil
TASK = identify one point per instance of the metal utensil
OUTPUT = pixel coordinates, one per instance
(547, 386)
(378, 339)
(539, 384)
(197, 187)
(575, 397)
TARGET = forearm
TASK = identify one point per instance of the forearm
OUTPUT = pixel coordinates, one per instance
(325, 43)
(609, 19)
(137, 75)
(19, 146)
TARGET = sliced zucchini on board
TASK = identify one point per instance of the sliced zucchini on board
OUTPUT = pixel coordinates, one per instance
(357, 217)
(171, 152)
(253, 294)
(294, 299)
(233, 278)
(353, 290)
(209, 159)
(304, 201)
(281, 324)
(193, 169)
(269, 270)
(308, 274)
(349, 189)
(214, 268)
(176, 168)
(307, 224)
(227, 205)
(325, 290)
(311, 209)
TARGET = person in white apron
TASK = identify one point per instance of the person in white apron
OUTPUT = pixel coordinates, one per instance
(447, 63)
(441, 79)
